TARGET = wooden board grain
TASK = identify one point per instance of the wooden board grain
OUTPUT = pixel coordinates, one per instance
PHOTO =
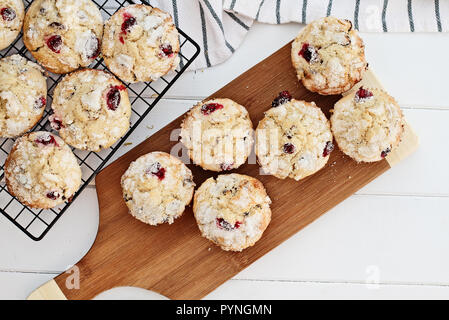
(174, 260)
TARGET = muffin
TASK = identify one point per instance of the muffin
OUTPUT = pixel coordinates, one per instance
(367, 124)
(11, 19)
(63, 35)
(232, 211)
(218, 134)
(91, 109)
(23, 95)
(294, 139)
(136, 29)
(41, 171)
(329, 56)
(157, 187)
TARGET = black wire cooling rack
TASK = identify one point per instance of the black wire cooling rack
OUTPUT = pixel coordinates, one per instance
(35, 223)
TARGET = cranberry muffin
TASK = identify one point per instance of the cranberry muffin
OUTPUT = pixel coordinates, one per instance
(218, 134)
(41, 171)
(367, 124)
(11, 20)
(140, 43)
(329, 56)
(63, 35)
(23, 95)
(232, 211)
(294, 139)
(91, 109)
(157, 187)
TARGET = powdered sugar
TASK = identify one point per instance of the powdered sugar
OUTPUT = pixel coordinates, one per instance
(154, 36)
(92, 99)
(151, 22)
(125, 61)
(87, 45)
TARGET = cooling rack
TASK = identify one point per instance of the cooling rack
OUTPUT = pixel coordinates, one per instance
(36, 223)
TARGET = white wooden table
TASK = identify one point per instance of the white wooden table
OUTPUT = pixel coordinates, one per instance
(390, 240)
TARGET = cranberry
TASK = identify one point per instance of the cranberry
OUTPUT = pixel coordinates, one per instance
(207, 109)
(55, 43)
(226, 166)
(56, 25)
(328, 148)
(385, 153)
(121, 39)
(167, 49)
(309, 53)
(160, 174)
(223, 224)
(8, 14)
(47, 140)
(157, 170)
(40, 103)
(113, 98)
(289, 148)
(128, 24)
(55, 122)
(362, 94)
(53, 195)
(282, 98)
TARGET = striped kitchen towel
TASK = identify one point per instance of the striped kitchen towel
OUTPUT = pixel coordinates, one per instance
(219, 26)
(367, 15)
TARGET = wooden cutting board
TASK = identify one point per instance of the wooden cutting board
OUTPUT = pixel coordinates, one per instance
(174, 260)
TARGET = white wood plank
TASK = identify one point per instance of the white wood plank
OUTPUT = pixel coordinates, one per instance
(399, 239)
(311, 290)
(276, 290)
(20, 285)
(17, 286)
(410, 76)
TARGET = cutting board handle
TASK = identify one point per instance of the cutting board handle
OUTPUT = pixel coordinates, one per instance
(48, 291)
